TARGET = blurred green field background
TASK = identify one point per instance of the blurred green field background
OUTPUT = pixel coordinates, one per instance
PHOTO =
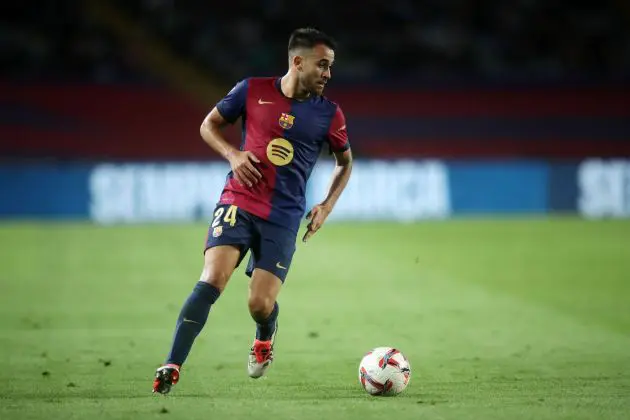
(501, 319)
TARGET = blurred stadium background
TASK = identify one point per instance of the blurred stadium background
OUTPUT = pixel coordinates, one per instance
(505, 108)
(459, 113)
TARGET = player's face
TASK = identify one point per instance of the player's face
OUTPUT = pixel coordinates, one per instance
(316, 69)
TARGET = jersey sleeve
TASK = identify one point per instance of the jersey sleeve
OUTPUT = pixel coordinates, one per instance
(337, 133)
(232, 105)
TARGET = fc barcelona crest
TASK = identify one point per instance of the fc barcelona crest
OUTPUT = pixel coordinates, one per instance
(286, 120)
(217, 231)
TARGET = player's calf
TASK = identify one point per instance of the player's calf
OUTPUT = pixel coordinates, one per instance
(263, 291)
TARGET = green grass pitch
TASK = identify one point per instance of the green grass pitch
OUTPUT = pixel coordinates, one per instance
(501, 319)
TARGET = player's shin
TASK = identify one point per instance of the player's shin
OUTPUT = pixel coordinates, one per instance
(266, 327)
(191, 320)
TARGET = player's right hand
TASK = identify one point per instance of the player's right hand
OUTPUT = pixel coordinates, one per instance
(242, 163)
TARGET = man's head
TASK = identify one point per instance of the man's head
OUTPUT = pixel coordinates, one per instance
(311, 54)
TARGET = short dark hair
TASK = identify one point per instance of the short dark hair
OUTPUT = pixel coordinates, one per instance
(308, 38)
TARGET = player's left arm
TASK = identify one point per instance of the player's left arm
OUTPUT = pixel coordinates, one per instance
(338, 140)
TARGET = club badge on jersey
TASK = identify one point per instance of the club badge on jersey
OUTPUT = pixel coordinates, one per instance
(286, 120)
(217, 231)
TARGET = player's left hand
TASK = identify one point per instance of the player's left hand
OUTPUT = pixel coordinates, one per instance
(317, 217)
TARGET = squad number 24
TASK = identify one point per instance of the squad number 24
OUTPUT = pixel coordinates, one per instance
(230, 216)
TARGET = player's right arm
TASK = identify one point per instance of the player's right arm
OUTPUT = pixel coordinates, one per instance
(228, 110)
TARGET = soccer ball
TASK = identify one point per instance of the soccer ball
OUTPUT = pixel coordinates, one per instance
(384, 371)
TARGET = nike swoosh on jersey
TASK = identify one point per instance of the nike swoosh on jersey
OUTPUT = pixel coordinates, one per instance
(261, 102)
(280, 266)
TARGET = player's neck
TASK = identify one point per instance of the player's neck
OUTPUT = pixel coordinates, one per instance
(290, 86)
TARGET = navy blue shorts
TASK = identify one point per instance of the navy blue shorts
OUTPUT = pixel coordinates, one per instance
(271, 246)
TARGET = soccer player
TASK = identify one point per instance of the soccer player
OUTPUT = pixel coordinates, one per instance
(286, 122)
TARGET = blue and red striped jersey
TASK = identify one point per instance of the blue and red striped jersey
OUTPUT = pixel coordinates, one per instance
(287, 136)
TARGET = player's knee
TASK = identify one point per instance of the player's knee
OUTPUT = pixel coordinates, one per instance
(260, 306)
(216, 278)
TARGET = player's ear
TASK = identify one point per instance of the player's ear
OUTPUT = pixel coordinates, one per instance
(298, 62)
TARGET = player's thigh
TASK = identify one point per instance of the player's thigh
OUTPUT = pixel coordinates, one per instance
(229, 238)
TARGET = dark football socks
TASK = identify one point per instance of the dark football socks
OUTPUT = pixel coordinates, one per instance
(191, 320)
(266, 328)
